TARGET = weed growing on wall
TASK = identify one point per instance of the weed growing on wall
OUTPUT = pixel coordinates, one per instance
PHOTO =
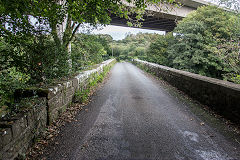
(83, 94)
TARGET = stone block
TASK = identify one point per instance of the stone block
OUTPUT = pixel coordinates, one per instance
(5, 137)
(54, 90)
(62, 109)
(69, 92)
(67, 84)
(19, 125)
(30, 119)
(53, 115)
(55, 102)
(40, 120)
(68, 100)
(75, 83)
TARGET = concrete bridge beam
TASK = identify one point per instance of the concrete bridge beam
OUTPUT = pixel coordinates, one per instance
(163, 16)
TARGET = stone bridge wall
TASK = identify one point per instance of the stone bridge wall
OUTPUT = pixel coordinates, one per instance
(61, 95)
(221, 96)
(20, 131)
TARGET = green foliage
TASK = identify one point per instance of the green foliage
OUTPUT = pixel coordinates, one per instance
(38, 61)
(206, 43)
(38, 57)
(89, 49)
(16, 15)
(194, 53)
(10, 80)
(200, 37)
(236, 79)
(83, 94)
(219, 24)
(157, 51)
(133, 46)
(32, 45)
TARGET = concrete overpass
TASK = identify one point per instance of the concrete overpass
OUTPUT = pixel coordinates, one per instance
(163, 17)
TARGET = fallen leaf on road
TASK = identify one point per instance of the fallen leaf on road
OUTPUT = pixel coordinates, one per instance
(202, 123)
(49, 136)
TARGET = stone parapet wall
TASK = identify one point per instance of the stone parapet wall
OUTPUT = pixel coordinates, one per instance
(20, 131)
(221, 96)
(61, 95)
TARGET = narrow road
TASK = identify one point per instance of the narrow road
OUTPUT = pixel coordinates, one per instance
(133, 117)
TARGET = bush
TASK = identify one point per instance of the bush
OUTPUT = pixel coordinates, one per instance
(29, 62)
(200, 37)
(157, 51)
(206, 43)
(88, 50)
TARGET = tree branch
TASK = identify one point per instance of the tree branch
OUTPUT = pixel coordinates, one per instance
(68, 30)
(73, 34)
(74, 23)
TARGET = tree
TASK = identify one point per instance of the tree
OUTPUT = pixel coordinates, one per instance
(105, 41)
(133, 45)
(234, 6)
(157, 51)
(88, 50)
(67, 14)
(27, 22)
(200, 40)
(191, 51)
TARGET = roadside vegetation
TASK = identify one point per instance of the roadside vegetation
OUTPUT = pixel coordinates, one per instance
(133, 45)
(39, 65)
(33, 51)
(206, 42)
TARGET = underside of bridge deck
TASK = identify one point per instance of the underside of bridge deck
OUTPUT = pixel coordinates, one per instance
(149, 22)
(162, 18)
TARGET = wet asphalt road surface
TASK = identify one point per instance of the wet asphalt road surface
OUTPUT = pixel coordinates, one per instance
(133, 117)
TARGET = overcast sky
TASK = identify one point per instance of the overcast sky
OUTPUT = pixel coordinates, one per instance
(119, 33)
